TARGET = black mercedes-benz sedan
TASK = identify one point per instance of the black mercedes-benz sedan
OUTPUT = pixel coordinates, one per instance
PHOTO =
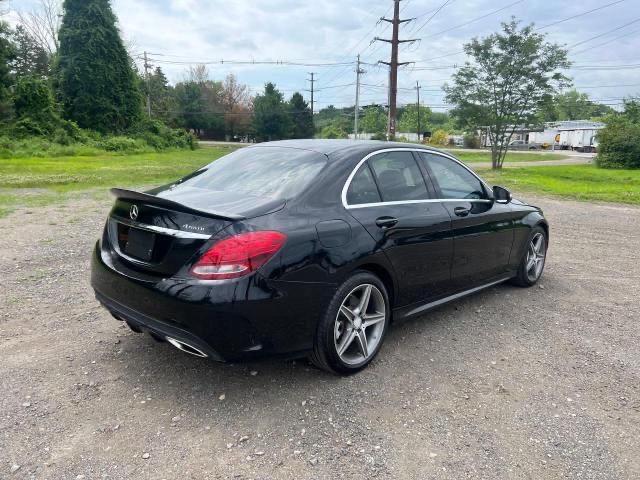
(309, 248)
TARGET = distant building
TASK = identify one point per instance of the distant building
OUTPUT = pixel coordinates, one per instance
(580, 135)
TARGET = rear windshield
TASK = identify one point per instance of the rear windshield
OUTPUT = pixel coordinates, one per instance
(271, 172)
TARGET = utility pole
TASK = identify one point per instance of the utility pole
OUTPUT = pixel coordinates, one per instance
(418, 104)
(147, 66)
(312, 80)
(359, 72)
(394, 64)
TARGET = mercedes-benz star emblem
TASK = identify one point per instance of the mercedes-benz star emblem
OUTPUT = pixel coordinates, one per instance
(133, 212)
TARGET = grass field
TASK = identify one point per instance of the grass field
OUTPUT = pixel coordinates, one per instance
(579, 182)
(515, 157)
(30, 182)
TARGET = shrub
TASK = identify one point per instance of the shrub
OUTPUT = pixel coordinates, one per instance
(332, 131)
(123, 145)
(28, 127)
(379, 136)
(439, 137)
(619, 144)
(160, 137)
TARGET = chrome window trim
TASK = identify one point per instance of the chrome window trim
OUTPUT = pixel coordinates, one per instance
(347, 184)
(163, 230)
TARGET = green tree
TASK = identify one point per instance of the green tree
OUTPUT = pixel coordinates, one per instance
(408, 122)
(200, 107)
(511, 74)
(7, 54)
(374, 120)
(163, 102)
(572, 105)
(271, 119)
(33, 99)
(30, 58)
(618, 144)
(301, 117)
(97, 85)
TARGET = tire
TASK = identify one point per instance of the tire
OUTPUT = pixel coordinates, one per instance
(342, 325)
(529, 273)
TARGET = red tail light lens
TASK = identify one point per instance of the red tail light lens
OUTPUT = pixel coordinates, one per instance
(239, 255)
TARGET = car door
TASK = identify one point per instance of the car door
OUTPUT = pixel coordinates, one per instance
(482, 228)
(388, 195)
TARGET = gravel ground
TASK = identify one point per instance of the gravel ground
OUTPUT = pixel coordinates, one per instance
(508, 384)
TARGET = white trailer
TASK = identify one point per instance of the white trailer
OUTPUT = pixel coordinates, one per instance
(579, 135)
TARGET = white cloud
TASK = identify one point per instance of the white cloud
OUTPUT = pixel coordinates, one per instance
(328, 30)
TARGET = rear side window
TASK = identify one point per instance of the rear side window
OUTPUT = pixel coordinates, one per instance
(453, 179)
(363, 188)
(398, 176)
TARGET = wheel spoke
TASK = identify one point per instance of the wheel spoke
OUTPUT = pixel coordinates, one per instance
(346, 311)
(372, 319)
(531, 261)
(348, 339)
(362, 343)
(364, 300)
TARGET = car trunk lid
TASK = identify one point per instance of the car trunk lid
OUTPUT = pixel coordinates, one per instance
(160, 232)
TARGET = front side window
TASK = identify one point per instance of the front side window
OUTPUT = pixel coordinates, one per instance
(454, 181)
(363, 188)
(399, 177)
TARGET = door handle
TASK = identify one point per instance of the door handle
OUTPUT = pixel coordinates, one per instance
(461, 211)
(386, 222)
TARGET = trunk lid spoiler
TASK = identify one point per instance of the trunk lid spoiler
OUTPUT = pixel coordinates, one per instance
(121, 193)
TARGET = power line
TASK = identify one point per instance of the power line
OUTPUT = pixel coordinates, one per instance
(605, 33)
(579, 15)
(431, 17)
(254, 62)
(609, 86)
(459, 52)
(476, 19)
(593, 47)
(352, 49)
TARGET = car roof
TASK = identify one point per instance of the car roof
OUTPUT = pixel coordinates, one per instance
(329, 147)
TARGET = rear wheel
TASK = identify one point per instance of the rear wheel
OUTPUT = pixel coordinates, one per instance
(532, 263)
(352, 330)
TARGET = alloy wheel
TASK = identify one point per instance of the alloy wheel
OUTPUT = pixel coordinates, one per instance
(536, 254)
(360, 324)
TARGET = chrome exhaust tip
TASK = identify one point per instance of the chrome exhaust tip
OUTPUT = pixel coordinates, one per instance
(186, 348)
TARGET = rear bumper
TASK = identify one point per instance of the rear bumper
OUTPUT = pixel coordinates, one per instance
(228, 320)
(141, 322)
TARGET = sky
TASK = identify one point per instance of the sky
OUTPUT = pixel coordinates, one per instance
(178, 33)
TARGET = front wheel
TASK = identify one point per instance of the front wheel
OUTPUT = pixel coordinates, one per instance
(352, 330)
(532, 264)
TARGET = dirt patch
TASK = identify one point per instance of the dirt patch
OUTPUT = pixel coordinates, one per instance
(510, 383)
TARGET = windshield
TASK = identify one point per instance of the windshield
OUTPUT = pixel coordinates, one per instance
(272, 172)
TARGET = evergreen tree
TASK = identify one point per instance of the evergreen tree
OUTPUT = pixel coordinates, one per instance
(163, 104)
(31, 59)
(98, 87)
(271, 120)
(301, 117)
(7, 54)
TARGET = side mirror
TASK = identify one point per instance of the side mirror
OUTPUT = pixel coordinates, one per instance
(501, 195)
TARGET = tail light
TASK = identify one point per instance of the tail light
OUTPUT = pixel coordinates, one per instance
(238, 256)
